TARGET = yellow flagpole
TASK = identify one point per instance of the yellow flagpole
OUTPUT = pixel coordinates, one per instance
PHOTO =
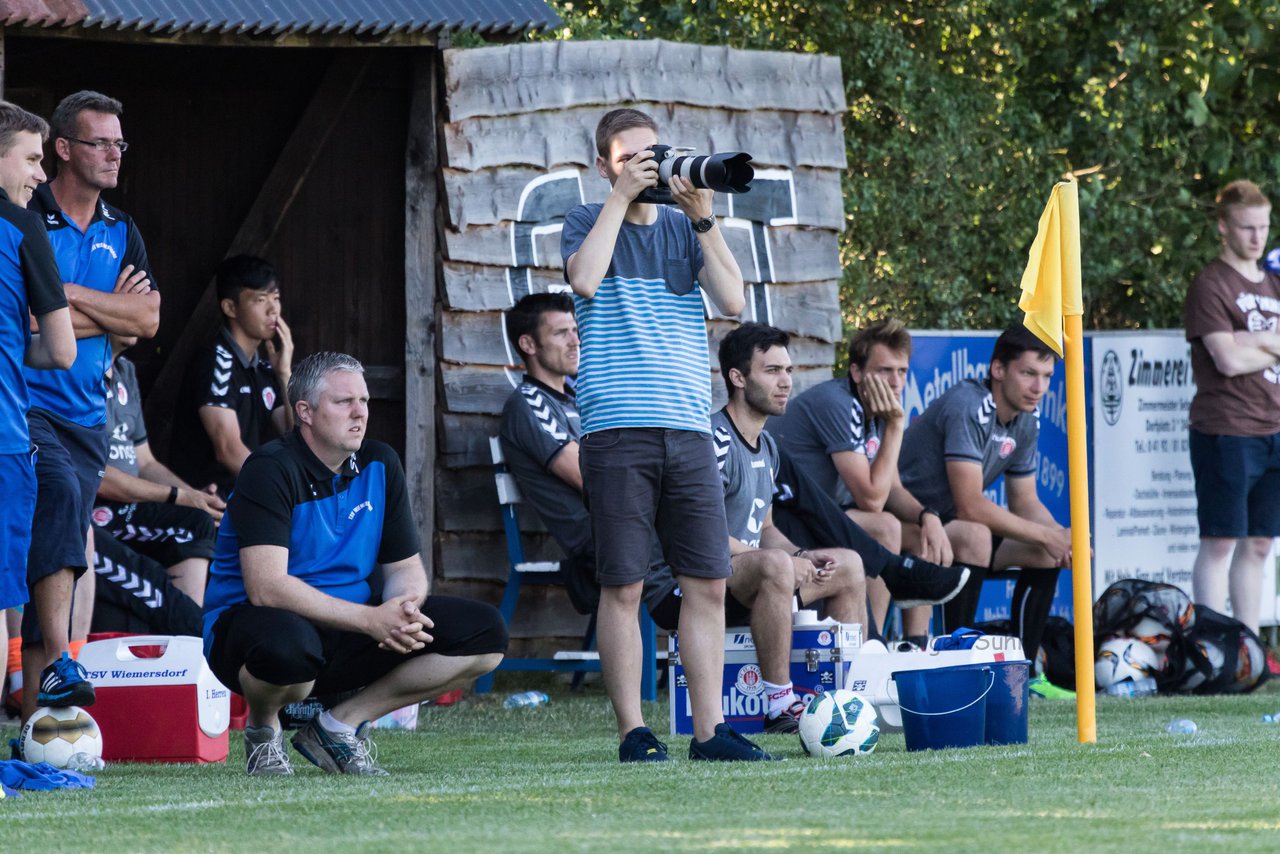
(1081, 555)
(1052, 298)
(1078, 468)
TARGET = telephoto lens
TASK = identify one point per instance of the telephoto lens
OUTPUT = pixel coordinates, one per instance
(727, 172)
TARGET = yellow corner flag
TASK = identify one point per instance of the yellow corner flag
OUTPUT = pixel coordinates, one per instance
(1051, 295)
(1051, 282)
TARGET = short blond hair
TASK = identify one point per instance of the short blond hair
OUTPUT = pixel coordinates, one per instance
(1240, 194)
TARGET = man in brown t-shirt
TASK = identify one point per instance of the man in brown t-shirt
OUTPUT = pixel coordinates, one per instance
(1231, 319)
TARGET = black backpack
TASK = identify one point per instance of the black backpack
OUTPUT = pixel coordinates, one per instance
(1222, 656)
(1205, 652)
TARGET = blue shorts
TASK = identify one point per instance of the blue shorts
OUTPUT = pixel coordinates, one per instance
(18, 474)
(1237, 485)
(641, 480)
(69, 464)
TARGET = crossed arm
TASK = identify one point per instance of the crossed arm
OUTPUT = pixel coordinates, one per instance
(131, 308)
(1237, 353)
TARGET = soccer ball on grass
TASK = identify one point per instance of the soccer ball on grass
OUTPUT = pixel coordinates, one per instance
(838, 723)
(55, 735)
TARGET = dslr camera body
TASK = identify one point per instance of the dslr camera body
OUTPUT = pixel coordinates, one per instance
(727, 172)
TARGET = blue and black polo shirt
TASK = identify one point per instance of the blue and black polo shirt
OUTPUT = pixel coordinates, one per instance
(29, 284)
(92, 258)
(337, 527)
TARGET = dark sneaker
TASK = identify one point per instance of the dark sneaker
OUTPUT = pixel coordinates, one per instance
(641, 745)
(64, 683)
(264, 754)
(727, 746)
(338, 752)
(913, 581)
(786, 721)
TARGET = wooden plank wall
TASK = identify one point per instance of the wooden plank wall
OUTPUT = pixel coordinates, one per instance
(519, 152)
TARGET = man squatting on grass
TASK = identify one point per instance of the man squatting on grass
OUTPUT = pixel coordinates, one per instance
(638, 272)
(972, 434)
(1231, 316)
(30, 289)
(290, 608)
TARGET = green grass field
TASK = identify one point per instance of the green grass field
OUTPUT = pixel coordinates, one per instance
(476, 777)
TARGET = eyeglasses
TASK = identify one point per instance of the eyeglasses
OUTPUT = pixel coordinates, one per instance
(101, 144)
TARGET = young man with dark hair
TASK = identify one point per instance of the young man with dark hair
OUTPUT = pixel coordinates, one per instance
(30, 287)
(109, 285)
(540, 430)
(290, 609)
(1231, 315)
(235, 394)
(974, 433)
(639, 273)
(769, 570)
(846, 434)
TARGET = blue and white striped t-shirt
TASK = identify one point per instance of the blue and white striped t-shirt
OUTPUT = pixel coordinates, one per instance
(644, 356)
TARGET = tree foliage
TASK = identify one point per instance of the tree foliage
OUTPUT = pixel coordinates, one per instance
(962, 115)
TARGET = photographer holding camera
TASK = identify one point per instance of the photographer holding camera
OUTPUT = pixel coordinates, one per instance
(644, 392)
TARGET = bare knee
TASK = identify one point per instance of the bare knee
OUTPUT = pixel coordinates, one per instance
(1257, 548)
(970, 542)
(849, 572)
(883, 527)
(621, 595)
(1217, 548)
(482, 664)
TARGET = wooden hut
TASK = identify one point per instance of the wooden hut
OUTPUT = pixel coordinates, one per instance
(408, 193)
(519, 151)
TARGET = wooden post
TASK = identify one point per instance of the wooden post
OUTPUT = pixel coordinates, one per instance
(278, 193)
(421, 268)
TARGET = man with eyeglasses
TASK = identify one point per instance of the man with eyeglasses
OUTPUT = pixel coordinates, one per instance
(109, 287)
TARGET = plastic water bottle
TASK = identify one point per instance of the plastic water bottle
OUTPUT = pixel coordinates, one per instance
(1144, 687)
(1182, 726)
(85, 762)
(1271, 719)
(526, 700)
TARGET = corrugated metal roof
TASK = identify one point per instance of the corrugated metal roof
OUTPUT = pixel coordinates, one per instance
(278, 17)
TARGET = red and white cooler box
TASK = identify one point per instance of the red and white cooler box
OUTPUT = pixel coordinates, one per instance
(157, 699)
(819, 656)
(870, 672)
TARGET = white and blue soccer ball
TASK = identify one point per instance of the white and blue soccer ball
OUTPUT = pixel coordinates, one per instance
(839, 723)
(1124, 658)
(55, 735)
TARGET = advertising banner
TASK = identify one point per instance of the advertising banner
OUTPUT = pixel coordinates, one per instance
(1144, 498)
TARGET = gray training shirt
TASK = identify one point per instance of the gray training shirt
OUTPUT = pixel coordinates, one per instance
(825, 420)
(962, 425)
(125, 428)
(537, 422)
(748, 476)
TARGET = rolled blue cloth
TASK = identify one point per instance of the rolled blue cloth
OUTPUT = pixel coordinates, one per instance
(23, 775)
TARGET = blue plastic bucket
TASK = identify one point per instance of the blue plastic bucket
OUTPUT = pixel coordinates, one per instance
(944, 706)
(1007, 702)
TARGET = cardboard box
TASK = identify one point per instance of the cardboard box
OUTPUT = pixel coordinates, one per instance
(818, 651)
(870, 671)
(157, 700)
